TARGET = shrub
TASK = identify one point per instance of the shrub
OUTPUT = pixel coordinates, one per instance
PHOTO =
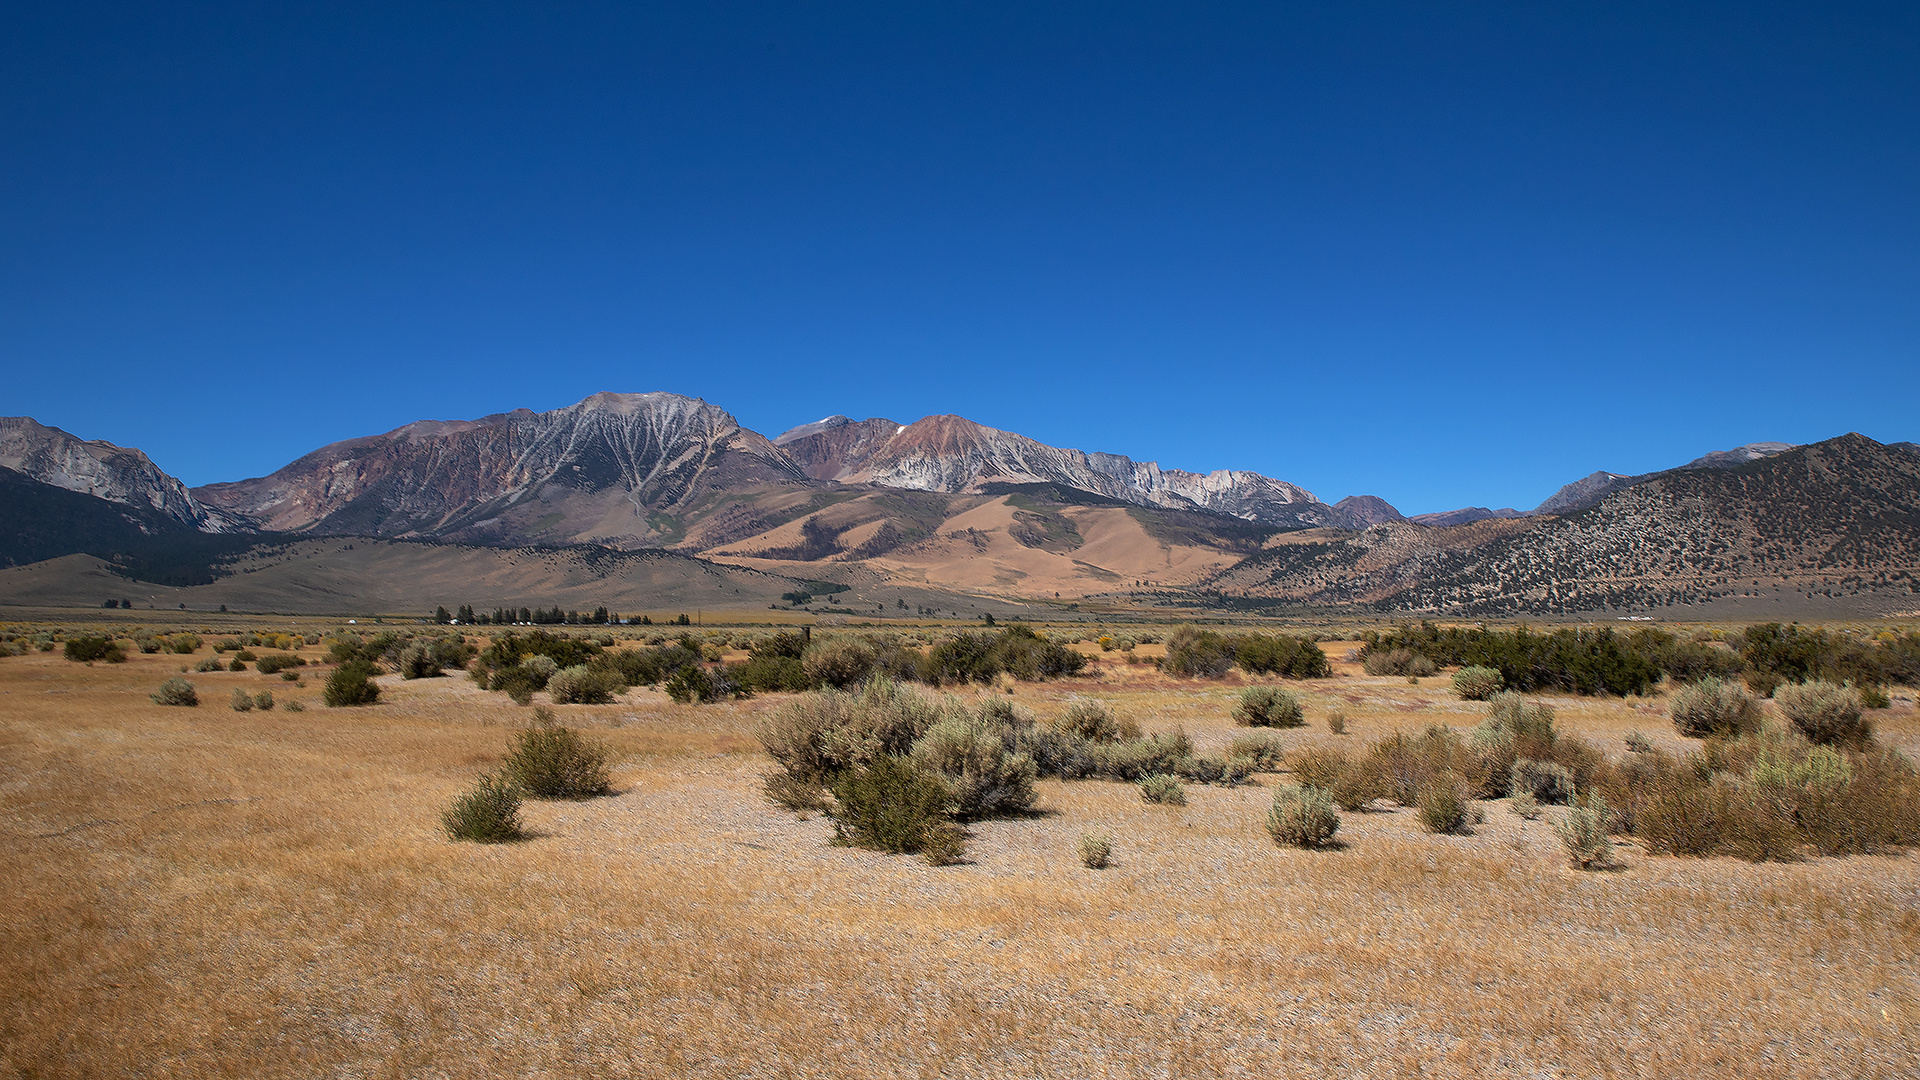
(1638, 743)
(488, 813)
(583, 685)
(1875, 697)
(295, 706)
(698, 685)
(183, 644)
(549, 761)
(1302, 816)
(975, 755)
(1264, 749)
(86, 648)
(1337, 722)
(1824, 713)
(209, 663)
(245, 656)
(1583, 832)
(1162, 790)
(351, 684)
(241, 700)
(1444, 804)
(771, 673)
(1320, 767)
(1096, 851)
(838, 662)
(237, 665)
(1475, 683)
(263, 700)
(275, 663)
(417, 661)
(1547, 781)
(175, 691)
(1524, 804)
(1281, 654)
(1712, 707)
(891, 804)
(1267, 706)
(822, 733)
(1197, 653)
(1398, 662)
(1093, 721)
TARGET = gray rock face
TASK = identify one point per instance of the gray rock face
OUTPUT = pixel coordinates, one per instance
(95, 467)
(439, 477)
(953, 454)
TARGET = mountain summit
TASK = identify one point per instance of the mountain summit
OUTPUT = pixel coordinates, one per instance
(956, 455)
(591, 471)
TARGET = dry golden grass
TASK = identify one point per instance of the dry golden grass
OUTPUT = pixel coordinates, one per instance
(199, 892)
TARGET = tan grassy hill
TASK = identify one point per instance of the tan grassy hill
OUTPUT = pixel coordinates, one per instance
(1013, 541)
(347, 575)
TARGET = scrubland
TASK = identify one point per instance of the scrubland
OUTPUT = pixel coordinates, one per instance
(205, 892)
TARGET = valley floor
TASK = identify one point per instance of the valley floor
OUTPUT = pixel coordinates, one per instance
(200, 892)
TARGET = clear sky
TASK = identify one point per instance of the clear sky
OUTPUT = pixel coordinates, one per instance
(1449, 254)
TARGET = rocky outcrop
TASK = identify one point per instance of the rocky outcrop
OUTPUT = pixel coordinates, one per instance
(953, 454)
(118, 474)
(464, 478)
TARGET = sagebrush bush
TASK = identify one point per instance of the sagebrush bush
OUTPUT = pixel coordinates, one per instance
(891, 804)
(183, 644)
(295, 706)
(1302, 816)
(822, 733)
(1264, 749)
(1093, 721)
(1547, 781)
(175, 691)
(1714, 707)
(487, 813)
(209, 663)
(549, 761)
(839, 662)
(263, 700)
(1875, 697)
(1398, 662)
(275, 663)
(1474, 683)
(1444, 805)
(1824, 713)
(1337, 721)
(1096, 851)
(86, 648)
(1197, 653)
(1583, 832)
(1524, 804)
(1320, 767)
(583, 685)
(351, 684)
(1268, 706)
(241, 701)
(975, 754)
(1162, 790)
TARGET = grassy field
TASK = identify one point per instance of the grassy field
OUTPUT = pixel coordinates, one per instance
(200, 892)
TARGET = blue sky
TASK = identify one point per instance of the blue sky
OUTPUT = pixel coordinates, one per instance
(1446, 254)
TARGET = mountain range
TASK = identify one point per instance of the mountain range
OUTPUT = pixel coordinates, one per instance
(957, 513)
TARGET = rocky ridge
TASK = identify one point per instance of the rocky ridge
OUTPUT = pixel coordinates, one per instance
(98, 468)
(956, 455)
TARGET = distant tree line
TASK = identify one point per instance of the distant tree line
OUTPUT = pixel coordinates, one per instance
(553, 616)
